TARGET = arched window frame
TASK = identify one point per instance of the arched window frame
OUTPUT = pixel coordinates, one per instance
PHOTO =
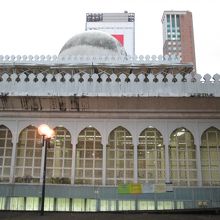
(182, 155)
(59, 157)
(210, 157)
(151, 157)
(119, 157)
(5, 153)
(28, 156)
(89, 157)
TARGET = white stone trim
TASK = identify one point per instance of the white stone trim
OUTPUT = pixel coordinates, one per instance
(195, 85)
(48, 59)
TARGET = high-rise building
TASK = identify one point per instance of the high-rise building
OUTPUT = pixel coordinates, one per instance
(119, 25)
(178, 37)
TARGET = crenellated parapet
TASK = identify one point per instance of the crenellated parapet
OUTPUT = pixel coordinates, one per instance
(88, 59)
(50, 76)
(109, 85)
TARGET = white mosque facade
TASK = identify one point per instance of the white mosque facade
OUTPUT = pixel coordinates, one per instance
(131, 133)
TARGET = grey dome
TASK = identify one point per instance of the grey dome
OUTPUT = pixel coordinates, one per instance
(92, 43)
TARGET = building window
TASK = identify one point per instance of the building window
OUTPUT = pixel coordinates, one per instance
(151, 162)
(78, 205)
(146, 205)
(2, 203)
(89, 158)
(5, 153)
(120, 157)
(173, 21)
(32, 203)
(162, 205)
(17, 203)
(90, 205)
(59, 157)
(179, 204)
(49, 204)
(108, 205)
(182, 152)
(28, 156)
(210, 157)
(125, 205)
(178, 21)
(63, 204)
(168, 18)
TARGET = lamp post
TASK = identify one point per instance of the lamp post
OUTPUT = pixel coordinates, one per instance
(46, 132)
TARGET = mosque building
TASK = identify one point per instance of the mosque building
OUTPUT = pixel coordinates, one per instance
(130, 133)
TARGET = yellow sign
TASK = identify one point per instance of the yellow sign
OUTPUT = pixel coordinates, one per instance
(131, 188)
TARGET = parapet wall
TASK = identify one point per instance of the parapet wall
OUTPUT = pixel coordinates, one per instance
(94, 85)
(50, 76)
(89, 59)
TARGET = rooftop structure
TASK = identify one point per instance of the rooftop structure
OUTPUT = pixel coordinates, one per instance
(93, 43)
(178, 37)
(119, 25)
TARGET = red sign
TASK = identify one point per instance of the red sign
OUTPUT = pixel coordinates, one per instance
(119, 37)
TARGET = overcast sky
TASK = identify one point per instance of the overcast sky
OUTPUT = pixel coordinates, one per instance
(43, 26)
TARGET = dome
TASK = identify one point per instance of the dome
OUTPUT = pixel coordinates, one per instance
(92, 43)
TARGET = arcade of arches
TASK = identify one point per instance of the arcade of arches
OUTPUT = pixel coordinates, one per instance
(91, 163)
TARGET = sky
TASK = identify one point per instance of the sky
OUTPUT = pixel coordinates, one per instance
(42, 27)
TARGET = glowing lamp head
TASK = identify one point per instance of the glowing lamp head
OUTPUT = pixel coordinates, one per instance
(45, 130)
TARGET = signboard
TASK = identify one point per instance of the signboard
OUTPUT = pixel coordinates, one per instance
(131, 188)
(160, 188)
(138, 188)
(119, 37)
(148, 188)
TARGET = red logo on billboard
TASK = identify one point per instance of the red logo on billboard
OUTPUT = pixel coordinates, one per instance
(119, 37)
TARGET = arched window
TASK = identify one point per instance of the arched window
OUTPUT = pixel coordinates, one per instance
(120, 157)
(5, 153)
(59, 157)
(89, 157)
(210, 157)
(182, 152)
(28, 156)
(151, 157)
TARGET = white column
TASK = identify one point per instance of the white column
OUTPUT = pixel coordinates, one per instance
(135, 143)
(167, 159)
(104, 163)
(198, 158)
(73, 161)
(13, 157)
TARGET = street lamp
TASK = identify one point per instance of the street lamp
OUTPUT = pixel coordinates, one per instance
(46, 132)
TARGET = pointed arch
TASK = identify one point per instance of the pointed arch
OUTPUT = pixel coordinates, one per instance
(182, 154)
(59, 157)
(28, 156)
(210, 156)
(151, 157)
(5, 153)
(120, 157)
(89, 157)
